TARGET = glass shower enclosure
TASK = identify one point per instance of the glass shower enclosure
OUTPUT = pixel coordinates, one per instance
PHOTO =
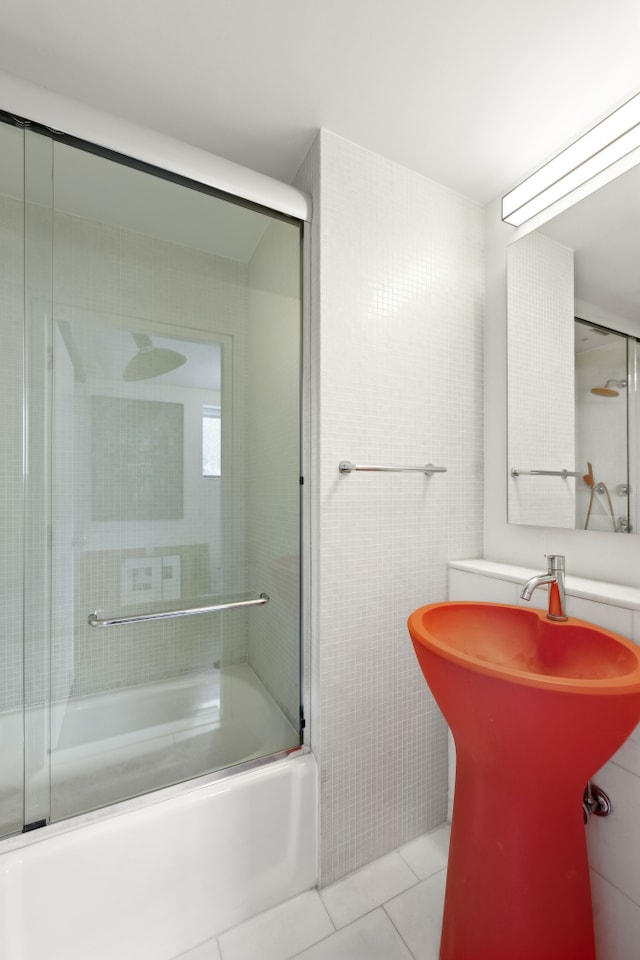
(151, 370)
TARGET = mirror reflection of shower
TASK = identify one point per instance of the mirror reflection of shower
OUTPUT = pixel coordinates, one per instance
(151, 361)
(605, 414)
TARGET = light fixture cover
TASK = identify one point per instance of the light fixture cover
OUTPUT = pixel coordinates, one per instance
(612, 138)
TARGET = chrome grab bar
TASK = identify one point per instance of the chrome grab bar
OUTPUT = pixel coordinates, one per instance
(516, 472)
(345, 466)
(94, 621)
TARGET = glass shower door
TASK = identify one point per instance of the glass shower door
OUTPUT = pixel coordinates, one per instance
(152, 339)
(175, 483)
(139, 541)
(12, 272)
(633, 491)
(176, 434)
(25, 517)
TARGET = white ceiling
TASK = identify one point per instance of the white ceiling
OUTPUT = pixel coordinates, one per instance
(472, 93)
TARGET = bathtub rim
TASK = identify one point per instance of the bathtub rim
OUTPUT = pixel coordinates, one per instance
(19, 841)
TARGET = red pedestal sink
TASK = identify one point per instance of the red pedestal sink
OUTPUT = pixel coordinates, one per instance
(535, 708)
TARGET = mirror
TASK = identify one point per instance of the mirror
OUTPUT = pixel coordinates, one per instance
(573, 351)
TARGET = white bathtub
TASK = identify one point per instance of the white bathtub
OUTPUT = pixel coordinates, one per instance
(150, 878)
(153, 876)
(119, 744)
(231, 704)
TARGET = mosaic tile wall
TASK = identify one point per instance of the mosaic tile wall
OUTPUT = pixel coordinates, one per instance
(397, 294)
(106, 271)
(541, 350)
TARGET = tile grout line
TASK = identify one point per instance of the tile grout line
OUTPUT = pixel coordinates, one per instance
(309, 945)
(384, 907)
(418, 879)
(614, 885)
(367, 913)
(387, 914)
(331, 920)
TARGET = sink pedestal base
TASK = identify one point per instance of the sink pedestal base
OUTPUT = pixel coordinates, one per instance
(518, 876)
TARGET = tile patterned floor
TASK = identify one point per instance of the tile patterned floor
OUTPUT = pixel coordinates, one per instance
(389, 910)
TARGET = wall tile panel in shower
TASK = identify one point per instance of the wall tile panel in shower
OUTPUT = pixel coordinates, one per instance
(104, 271)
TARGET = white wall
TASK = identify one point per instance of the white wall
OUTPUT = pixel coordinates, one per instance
(397, 286)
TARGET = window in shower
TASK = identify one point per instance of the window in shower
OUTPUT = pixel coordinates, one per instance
(154, 313)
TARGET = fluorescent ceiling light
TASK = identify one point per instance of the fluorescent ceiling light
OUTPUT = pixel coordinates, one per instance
(612, 138)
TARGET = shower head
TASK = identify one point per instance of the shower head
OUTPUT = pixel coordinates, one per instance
(151, 361)
(607, 391)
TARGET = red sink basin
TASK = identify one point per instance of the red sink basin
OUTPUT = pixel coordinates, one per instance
(519, 645)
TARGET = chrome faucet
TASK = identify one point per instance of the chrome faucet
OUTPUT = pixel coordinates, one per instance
(555, 578)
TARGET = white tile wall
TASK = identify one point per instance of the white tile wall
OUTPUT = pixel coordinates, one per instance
(398, 278)
(613, 842)
(106, 271)
(540, 303)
